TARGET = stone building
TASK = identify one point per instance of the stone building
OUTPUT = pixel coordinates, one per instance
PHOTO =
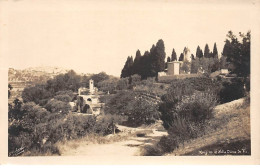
(173, 69)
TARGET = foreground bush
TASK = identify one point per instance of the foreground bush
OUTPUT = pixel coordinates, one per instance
(133, 105)
(233, 89)
(185, 109)
(37, 130)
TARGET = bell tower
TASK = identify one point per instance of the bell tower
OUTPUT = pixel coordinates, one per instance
(91, 86)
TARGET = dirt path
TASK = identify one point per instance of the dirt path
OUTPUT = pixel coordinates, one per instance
(130, 147)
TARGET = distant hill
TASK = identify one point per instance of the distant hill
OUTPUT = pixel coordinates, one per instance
(34, 74)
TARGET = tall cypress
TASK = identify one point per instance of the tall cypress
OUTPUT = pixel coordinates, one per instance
(158, 58)
(215, 51)
(206, 51)
(136, 65)
(146, 65)
(199, 53)
(127, 70)
(174, 55)
(181, 58)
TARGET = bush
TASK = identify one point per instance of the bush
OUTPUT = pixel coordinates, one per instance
(168, 144)
(56, 106)
(197, 107)
(63, 98)
(36, 94)
(142, 111)
(138, 109)
(189, 89)
(66, 92)
(185, 109)
(119, 102)
(134, 79)
(232, 89)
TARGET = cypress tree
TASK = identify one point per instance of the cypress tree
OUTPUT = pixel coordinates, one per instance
(206, 51)
(158, 58)
(215, 51)
(168, 59)
(127, 70)
(174, 55)
(181, 58)
(227, 48)
(192, 57)
(146, 64)
(136, 65)
(199, 53)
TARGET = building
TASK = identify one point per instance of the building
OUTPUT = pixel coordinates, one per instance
(173, 69)
(91, 86)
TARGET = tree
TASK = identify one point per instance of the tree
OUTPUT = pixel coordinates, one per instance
(127, 70)
(145, 71)
(227, 48)
(174, 55)
(122, 84)
(223, 62)
(186, 66)
(238, 53)
(215, 51)
(168, 59)
(195, 64)
(99, 77)
(199, 53)
(192, 57)
(206, 51)
(181, 58)
(157, 58)
(37, 94)
(136, 65)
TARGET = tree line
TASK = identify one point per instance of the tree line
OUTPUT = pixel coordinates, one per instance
(235, 57)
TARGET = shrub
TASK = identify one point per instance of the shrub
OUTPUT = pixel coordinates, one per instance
(232, 89)
(194, 91)
(56, 106)
(119, 102)
(134, 79)
(108, 85)
(197, 107)
(63, 98)
(185, 109)
(138, 109)
(35, 94)
(66, 92)
(142, 111)
(122, 84)
(168, 144)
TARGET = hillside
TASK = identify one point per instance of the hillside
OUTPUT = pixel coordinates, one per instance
(228, 133)
(19, 79)
(34, 74)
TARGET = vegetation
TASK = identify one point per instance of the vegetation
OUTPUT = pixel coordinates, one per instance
(134, 107)
(184, 104)
(151, 62)
(237, 52)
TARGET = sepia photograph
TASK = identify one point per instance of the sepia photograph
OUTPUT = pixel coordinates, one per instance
(128, 78)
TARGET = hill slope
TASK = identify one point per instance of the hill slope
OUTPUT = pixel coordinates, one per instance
(228, 133)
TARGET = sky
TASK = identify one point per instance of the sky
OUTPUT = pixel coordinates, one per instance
(94, 36)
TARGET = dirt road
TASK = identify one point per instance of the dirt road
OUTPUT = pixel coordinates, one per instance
(129, 147)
